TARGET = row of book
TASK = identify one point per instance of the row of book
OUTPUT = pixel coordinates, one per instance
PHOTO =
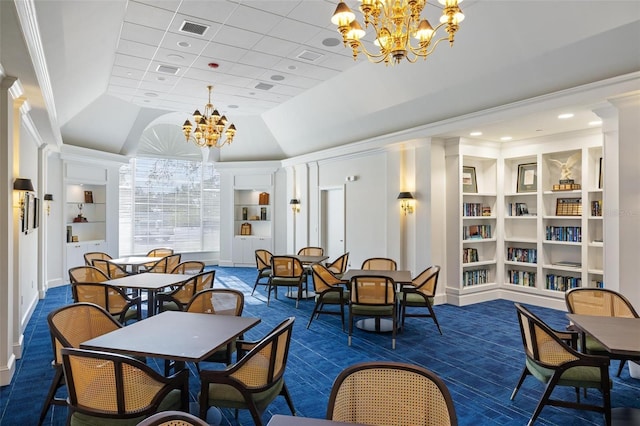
(475, 277)
(469, 255)
(524, 278)
(564, 233)
(527, 255)
(475, 209)
(597, 283)
(517, 209)
(562, 283)
(476, 232)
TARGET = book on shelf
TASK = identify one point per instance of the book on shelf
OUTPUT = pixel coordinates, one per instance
(569, 207)
(475, 209)
(526, 255)
(470, 255)
(561, 283)
(571, 234)
(476, 232)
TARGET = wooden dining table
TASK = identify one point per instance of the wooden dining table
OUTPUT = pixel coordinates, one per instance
(620, 336)
(173, 335)
(150, 282)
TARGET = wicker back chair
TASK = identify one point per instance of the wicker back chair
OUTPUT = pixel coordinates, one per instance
(178, 298)
(90, 256)
(87, 274)
(379, 264)
(165, 264)
(113, 299)
(190, 267)
(311, 251)
(286, 271)
(106, 386)
(160, 252)
(420, 295)
(599, 302)
(112, 270)
(330, 290)
(373, 296)
(339, 266)
(255, 380)
(552, 361)
(219, 301)
(390, 393)
(69, 326)
(263, 264)
(173, 418)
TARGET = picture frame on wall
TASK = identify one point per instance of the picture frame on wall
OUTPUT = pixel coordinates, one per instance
(469, 182)
(25, 212)
(527, 177)
(36, 212)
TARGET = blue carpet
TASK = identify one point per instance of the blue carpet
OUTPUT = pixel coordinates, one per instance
(479, 356)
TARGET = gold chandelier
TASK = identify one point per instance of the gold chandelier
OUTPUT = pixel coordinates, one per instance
(395, 22)
(210, 127)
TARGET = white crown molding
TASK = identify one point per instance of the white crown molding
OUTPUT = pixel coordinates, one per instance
(25, 10)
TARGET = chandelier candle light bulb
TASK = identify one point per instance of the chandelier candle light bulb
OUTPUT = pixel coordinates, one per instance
(209, 127)
(394, 22)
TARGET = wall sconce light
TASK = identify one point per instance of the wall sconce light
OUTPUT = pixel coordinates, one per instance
(295, 205)
(24, 185)
(48, 198)
(406, 205)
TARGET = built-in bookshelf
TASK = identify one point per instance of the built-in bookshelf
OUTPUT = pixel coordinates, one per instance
(535, 225)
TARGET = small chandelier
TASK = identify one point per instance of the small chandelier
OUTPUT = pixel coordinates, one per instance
(395, 22)
(210, 127)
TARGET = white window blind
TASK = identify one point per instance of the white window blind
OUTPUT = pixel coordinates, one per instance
(169, 203)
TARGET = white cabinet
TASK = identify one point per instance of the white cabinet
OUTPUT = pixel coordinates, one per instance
(244, 248)
(85, 213)
(76, 251)
(253, 208)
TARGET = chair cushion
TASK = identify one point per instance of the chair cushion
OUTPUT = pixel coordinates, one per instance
(581, 377)
(227, 396)
(372, 310)
(414, 299)
(170, 305)
(333, 297)
(264, 273)
(285, 281)
(170, 402)
(593, 346)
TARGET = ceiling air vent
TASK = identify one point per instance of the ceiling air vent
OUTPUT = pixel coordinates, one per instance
(264, 86)
(193, 28)
(310, 56)
(168, 69)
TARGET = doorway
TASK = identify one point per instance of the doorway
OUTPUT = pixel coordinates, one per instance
(332, 221)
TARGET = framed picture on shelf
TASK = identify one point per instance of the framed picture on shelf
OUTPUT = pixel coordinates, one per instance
(527, 178)
(469, 183)
(88, 197)
(600, 174)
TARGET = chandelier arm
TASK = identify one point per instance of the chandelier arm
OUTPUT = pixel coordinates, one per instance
(430, 48)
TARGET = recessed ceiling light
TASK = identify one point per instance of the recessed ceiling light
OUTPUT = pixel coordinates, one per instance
(565, 116)
(151, 94)
(277, 77)
(475, 134)
(595, 123)
(292, 67)
(331, 41)
(184, 44)
(234, 106)
(129, 74)
(174, 56)
(160, 78)
(506, 138)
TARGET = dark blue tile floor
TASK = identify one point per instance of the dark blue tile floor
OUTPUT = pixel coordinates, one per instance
(479, 356)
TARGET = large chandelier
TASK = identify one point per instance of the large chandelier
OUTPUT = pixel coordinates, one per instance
(209, 127)
(395, 22)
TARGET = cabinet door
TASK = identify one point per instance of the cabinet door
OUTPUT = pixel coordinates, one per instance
(261, 244)
(75, 254)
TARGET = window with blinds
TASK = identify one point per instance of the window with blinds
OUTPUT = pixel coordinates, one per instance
(169, 203)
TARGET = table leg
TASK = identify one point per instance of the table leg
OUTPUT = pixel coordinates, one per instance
(379, 325)
(151, 302)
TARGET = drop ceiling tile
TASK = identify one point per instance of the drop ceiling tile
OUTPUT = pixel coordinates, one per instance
(141, 34)
(131, 62)
(245, 70)
(124, 72)
(124, 82)
(258, 59)
(276, 46)
(282, 8)
(148, 15)
(222, 54)
(317, 13)
(238, 37)
(140, 50)
(173, 57)
(213, 11)
(196, 44)
(258, 20)
(287, 27)
(164, 4)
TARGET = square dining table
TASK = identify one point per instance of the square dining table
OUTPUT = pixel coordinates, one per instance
(151, 282)
(133, 263)
(176, 336)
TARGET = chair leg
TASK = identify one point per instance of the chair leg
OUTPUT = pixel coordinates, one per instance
(433, 317)
(315, 311)
(55, 384)
(342, 314)
(543, 400)
(620, 367)
(525, 373)
(285, 392)
(350, 327)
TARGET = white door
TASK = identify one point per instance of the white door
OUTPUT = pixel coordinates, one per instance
(333, 222)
